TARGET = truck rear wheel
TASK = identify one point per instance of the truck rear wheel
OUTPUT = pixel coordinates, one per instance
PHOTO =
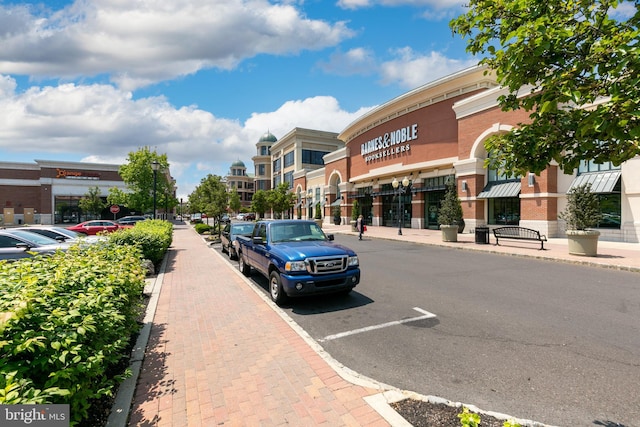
(243, 267)
(275, 288)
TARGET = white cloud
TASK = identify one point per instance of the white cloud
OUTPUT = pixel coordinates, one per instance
(100, 123)
(411, 70)
(356, 61)
(320, 112)
(435, 4)
(142, 43)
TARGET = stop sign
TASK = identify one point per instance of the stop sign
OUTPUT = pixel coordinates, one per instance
(114, 209)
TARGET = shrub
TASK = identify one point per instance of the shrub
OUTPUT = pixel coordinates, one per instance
(355, 210)
(583, 209)
(152, 237)
(65, 323)
(450, 212)
(202, 228)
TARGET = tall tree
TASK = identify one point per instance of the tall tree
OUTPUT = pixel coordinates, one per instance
(92, 203)
(281, 199)
(138, 176)
(210, 197)
(234, 200)
(260, 203)
(573, 64)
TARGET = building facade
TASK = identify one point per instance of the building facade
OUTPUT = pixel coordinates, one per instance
(48, 192)
(435, 134)
(242, 182)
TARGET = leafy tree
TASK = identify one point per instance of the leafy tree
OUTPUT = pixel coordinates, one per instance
(210, 197)
(234, 200)
(92, 203)
(138, 176)
(578, 60)
(280, 198)
(116, 197)
(260, 202)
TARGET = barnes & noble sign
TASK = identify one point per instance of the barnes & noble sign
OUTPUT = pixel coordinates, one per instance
(390, 144)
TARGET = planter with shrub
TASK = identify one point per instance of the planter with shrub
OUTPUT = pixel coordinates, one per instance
(580, 215)
(450, 214)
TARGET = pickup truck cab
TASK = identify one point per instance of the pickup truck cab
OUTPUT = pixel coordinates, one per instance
(298, 258)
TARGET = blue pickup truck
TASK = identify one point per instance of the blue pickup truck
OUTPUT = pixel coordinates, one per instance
(298, 258)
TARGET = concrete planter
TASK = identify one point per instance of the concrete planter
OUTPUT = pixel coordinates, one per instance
(583, 242)
(449, 233)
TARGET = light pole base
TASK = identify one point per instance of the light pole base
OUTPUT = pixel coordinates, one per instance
(399, 232)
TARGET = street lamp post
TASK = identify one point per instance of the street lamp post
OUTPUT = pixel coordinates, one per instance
(399, 189)
(155, 165)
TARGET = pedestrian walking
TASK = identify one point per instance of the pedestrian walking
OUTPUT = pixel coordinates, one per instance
(360, 226)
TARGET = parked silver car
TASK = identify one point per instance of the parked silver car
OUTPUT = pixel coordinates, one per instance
(17, 244)
(59, 234)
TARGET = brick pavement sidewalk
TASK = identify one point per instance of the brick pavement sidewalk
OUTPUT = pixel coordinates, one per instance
(219, 355)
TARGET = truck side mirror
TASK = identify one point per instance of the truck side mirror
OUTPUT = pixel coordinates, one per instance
(258, 240)
(330, 237)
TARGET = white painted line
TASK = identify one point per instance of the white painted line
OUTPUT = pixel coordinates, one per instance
(427, 315)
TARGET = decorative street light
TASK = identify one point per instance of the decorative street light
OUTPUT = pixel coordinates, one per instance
(399, 189)
(155, 165)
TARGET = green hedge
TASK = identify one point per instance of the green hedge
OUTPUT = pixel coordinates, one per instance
(152, 236)
(65, 321)
(202, 228)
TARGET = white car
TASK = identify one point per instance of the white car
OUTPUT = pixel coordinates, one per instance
(240, 216)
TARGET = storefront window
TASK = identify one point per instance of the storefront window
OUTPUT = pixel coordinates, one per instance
(505, 211)
(392, 210)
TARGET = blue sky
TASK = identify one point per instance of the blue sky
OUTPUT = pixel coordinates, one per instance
(202, 80)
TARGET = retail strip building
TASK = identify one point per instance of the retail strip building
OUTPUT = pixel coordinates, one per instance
(48, 192)
(436, 133)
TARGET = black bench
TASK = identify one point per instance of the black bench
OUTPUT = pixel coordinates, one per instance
(519, 233)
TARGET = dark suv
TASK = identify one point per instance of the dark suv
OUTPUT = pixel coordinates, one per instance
(131, 220)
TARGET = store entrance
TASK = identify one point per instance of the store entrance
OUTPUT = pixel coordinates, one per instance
(391, 211)
(432, 207)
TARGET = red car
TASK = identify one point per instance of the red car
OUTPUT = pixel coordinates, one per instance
(91, 228)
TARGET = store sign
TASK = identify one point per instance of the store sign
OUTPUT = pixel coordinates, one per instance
(63, 173)
(390, 144)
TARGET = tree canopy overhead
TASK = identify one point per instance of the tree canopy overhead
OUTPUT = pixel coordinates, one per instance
(574, 65)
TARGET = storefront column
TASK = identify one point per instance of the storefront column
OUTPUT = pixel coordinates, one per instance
(417, 210)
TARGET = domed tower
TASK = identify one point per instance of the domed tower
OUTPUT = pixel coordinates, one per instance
(242, 182)
(262, 161)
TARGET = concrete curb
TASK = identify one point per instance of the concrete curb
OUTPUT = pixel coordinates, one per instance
(124, 398)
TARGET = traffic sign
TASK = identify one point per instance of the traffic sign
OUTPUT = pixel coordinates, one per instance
(114, 209)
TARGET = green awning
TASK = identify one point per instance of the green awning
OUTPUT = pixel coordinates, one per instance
(338, 202)
(497, 190)
(601, 182)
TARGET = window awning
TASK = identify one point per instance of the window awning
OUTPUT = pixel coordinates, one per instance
(337, 202)
(601, 182)
(297, 205)
(496, 190)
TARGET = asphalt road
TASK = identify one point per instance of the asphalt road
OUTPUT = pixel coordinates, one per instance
(551, 342)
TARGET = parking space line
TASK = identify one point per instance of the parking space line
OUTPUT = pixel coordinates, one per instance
(426, 315)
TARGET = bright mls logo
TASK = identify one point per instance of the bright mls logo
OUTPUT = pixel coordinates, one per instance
(35, 415)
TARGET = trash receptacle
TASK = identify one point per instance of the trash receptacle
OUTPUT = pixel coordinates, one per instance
(482, 235)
